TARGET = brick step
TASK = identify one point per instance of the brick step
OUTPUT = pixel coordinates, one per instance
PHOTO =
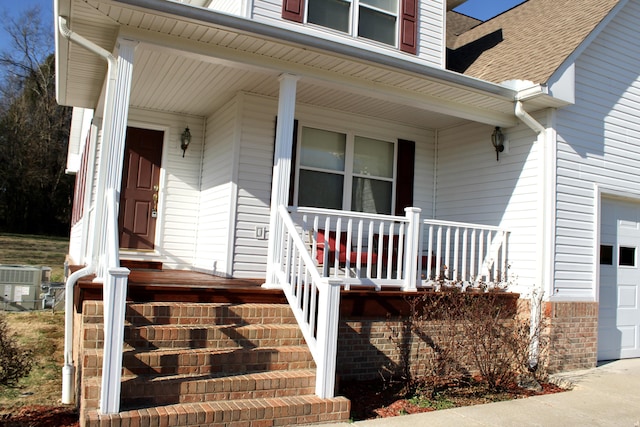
(167, 313)
(214, 336)
(144, 392)
(203, 361)
(298, 410)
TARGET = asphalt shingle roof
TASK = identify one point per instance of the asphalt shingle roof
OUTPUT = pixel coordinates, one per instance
(528, 42)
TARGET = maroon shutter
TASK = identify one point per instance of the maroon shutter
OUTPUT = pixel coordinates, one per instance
(294, 153)
(293, 10)
(409, 26)
(404, 175)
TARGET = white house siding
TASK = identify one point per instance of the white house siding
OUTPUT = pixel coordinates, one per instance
(179, 187)
(430, 35)
(233, 7)
(473, 187)
(598, 143)
(256, 159)
(75, 244)
(217, 192)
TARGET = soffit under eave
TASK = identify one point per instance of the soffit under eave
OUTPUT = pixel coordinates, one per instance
(81, 72)
(257, 51)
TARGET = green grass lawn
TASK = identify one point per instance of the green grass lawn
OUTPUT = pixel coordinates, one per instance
(35, 250)
(42, 332)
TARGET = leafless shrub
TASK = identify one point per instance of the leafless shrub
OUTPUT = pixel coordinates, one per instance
(15, 362)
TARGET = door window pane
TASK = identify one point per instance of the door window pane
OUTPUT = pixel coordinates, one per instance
(330, 13)
(376, 25)
(373, 157)
(627, 256)
(371, 196)
(323, 149)
(320, 189)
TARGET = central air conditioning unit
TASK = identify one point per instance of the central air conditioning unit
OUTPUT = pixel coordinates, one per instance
(20, 287)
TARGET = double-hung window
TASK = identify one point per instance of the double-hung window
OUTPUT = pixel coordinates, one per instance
(371, 19)
(345, 171)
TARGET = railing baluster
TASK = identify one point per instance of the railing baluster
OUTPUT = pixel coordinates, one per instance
(439, 252)
(447, 253)
(359, 250)
(430, 253)
(456, 246)
(380, 249)
(473, 277)
(480, 254)
(400, 255)
(464, 277)
(370, 248)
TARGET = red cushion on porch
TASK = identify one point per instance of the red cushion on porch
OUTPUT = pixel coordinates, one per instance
(343, 248)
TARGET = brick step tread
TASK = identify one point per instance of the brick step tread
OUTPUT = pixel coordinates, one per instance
(194, 313)
(171, 389)
(298, 410)
(204, 360)
(199, 336)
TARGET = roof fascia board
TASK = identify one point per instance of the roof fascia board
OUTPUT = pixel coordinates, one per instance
(326, 78)
(259, 28)
(567, 65)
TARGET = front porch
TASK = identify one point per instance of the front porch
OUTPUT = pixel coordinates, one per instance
(204, 350)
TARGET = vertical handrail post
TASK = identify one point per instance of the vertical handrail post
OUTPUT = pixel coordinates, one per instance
(412, 255)
(115, 294)
(328, 316)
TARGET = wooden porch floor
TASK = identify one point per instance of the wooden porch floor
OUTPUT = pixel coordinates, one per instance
(160, 285)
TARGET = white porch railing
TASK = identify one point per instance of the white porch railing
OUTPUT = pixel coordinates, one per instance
(322, 250)
(464, 254)
(362, 249)
(314, 300)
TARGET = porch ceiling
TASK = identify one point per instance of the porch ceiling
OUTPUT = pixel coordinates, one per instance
(192, 66)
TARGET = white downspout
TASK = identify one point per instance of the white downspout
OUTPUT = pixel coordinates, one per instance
(536, 298)
(68, 367)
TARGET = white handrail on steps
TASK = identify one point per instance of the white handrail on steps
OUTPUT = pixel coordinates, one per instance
(314, 300)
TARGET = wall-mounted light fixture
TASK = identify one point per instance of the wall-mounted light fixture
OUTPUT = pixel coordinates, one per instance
(497, 140)
(185, 140)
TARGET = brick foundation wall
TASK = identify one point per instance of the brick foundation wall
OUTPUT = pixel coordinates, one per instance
(572, 329)
(366, 350)
(368, 347)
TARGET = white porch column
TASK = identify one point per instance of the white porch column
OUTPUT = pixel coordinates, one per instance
(281, 170)
(114, 127)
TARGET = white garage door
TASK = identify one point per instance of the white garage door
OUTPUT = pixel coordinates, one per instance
(619, 308)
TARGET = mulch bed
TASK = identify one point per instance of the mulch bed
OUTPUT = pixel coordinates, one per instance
(376, 399)
(41, 416)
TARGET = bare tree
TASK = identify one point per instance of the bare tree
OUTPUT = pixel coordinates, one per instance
(35, 193)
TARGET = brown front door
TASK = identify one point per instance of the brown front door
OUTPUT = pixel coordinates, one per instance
(140, 185)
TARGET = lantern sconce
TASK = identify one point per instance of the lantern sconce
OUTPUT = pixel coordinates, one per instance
(497, 140)
(185, 140)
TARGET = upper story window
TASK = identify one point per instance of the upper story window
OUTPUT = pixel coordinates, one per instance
(371, 19)
(393, 22)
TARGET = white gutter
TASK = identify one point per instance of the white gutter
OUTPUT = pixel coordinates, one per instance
(527, 119)
(68, 368)
(536, 298)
